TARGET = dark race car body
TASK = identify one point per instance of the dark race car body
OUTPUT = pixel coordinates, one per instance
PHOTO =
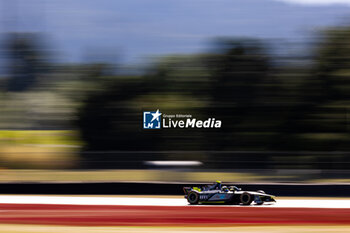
(231, 195)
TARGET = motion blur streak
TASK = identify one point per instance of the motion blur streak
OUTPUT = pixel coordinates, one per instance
(341, 203)
(166, 215)
(77, 76)
(288, 109)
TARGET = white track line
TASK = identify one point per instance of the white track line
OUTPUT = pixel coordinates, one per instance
(78, 200)
(151, 201)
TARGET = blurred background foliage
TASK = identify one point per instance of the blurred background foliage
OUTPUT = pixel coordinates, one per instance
(275, 114)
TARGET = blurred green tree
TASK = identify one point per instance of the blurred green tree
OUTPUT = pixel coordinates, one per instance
(27, 60)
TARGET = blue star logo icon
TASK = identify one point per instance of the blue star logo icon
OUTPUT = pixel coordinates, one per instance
(151, 120)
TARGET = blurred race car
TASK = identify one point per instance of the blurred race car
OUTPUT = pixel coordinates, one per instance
(218, 194)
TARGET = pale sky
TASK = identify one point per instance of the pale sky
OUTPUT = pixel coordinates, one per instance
(317, 2)
(133, 30)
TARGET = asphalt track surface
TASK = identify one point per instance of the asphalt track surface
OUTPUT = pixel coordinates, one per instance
(151, 211)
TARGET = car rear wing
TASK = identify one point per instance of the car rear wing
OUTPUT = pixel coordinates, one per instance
(187, 190)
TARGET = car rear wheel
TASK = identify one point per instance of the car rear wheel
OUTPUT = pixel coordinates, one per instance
(193, 198)
(246, 198)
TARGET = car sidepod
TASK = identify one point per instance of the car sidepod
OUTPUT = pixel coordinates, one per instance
(221, 197)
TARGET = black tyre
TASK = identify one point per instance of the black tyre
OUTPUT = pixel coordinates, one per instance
(193, 198)
(246, 198)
